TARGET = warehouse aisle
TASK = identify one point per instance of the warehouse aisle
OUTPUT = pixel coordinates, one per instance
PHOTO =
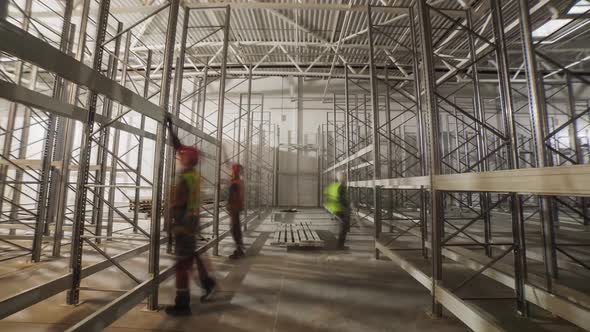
(278, 290)
(311, 290)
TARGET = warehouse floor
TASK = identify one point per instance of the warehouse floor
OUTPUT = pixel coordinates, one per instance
(272, 290)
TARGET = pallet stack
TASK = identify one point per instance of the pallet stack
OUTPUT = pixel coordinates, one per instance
(297, 235)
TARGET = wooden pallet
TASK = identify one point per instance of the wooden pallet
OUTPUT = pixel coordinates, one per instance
(297, 235)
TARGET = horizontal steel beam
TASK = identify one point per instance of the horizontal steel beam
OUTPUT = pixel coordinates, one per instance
(31, 49)
(564, 302)
(34, 99)
(473, 317)
(554, 303)
(352, 157)
(29, 297)
(117, 308)
(417, 182)
(571, 180)
(191, 4)
(291, 6)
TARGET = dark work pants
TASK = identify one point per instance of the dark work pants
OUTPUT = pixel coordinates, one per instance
(236, 229)
(186, 257)
(344, 219)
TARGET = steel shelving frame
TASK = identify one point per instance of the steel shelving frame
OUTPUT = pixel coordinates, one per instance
(426, 153)
(444, 158)
(112, 102)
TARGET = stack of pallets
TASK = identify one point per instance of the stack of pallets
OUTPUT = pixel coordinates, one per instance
(298, 235)
(145, 206)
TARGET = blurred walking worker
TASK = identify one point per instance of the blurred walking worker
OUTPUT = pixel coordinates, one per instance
(235, 205)
(184, 207)
(336, 202)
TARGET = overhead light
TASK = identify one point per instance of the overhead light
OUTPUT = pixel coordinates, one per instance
(580, 7)
(550, 27)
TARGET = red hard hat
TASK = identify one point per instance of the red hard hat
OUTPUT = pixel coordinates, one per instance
(236, 169)
(190, 153)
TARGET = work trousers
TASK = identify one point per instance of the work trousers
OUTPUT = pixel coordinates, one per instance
(344, 219)
(185, 259)
(236, 228)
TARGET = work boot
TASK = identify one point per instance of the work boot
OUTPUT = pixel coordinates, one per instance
(208, 285)
(238, 253)
(182, 306)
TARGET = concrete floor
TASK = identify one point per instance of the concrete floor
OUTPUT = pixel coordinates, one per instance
(272, 290)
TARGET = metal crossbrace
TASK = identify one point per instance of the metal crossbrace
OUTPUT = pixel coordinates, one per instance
(110, 259)
(473, 220)
(471, 117)
(564, 203)
(485, 267)
(115, 209)
(577, 261)
(465, 66)
(567, 123)
(403, 232)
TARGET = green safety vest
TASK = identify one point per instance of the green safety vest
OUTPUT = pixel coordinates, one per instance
(193, 181)
(332, 201)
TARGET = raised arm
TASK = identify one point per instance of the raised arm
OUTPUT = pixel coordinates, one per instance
(175, 141)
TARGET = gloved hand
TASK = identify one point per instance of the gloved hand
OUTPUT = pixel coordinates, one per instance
(168, 120)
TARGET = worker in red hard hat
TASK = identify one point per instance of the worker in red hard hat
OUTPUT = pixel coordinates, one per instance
(184, 207)
(235, 205)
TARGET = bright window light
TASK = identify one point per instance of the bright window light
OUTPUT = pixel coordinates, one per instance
(580, 7)
(550, 27)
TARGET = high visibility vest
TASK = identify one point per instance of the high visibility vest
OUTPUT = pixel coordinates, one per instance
(332, 199)
(193, 182)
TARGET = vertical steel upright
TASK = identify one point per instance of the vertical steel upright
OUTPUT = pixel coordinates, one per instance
(320, 164)
(248, 143)
(175, 109)
(375, 133)
(347, 127)
(58, 92)
(259, 168)
(436, 211)
(154, 252)
(84, 163)
(24, 137)
(69, 129)
(196, 104)
(203, 99)
(390, 154)
(334, 135)
(506, 104)
(277, 165)
(539, 115)
(3, 10)
(116, 139)
(104, 141)
(139, 167)
(420, 134)
(575, 141)
(481, 139)
(219, 142)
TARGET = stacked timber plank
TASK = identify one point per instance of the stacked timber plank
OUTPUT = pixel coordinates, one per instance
(145, 206)
(297, 235)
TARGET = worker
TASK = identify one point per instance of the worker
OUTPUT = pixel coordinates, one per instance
(184, 209)
(235, 205)
(336, 202)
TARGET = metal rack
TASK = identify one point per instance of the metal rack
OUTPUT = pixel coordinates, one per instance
(463, 159)
(76, 194)
(448, 170)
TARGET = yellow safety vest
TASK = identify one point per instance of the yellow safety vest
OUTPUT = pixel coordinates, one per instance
(193, 181)
(332, 201)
